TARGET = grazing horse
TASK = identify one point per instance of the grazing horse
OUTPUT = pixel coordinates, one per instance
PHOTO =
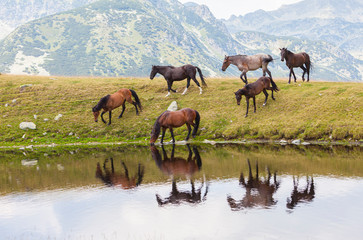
(179, 166)
(252, 89)
(306, 195)
(296, 60)
(174, 119)
(248, 63)
(110, 178)
(110, 102)
(258, 193)
(172, 74)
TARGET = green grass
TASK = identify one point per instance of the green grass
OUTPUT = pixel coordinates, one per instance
(308, 111)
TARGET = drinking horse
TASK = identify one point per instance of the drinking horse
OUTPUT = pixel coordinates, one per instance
(174, 119)
(172, 74)
(296, 60)
(247, 63)
(252, 89)
(110, 102)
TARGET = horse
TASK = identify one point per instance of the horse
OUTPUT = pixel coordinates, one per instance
(306, 195)
(172, 74)
(181, 167)
(110, 102)
(296, 60)
(174, 119)
(258, 193)
(247, 63)
(252, 89)
(110, 178)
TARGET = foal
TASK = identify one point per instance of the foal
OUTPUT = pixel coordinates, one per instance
(253, 89)
(110, 102)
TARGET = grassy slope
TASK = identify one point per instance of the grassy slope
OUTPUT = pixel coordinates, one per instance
(315, 110)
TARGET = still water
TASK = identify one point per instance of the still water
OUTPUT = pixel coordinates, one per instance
(182, 192)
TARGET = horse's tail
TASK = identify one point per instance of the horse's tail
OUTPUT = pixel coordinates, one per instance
(201, 76)
(308, 62)
(274, 86)
(103, 101)
(136, 98)
(197, 120)
(267, 59)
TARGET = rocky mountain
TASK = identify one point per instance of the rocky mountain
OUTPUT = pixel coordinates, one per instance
(117, 37)
(125, 37)
(14, 13)
(334, 21)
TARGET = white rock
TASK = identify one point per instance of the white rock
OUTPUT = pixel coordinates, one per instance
(27, 125)
(46, 119)
(35, 116)
(58, 117)
(305, 143)
(173, 106)
(297, 142)
(283, 141)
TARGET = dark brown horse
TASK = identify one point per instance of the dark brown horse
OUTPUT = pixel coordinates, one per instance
(172, 74)
(253, 89)
(174, 119)
(299, 196)
(258, 193)
(179, 166)
(296, 60)
(110, 178)
(110, 102)
(248, 63)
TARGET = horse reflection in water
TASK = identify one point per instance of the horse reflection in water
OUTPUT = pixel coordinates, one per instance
(258, 193)
(178, 166)
(301, 196)
(111, 178)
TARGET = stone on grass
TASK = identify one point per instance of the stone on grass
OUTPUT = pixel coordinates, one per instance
(296, 142)
(27, 125)
(58, 117)
(173, 106)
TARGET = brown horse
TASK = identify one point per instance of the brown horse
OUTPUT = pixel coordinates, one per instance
(258, 193)
(248, 63)
(253, 89)
(172, 74)
(296, 60)
(110, 178)
(174, 119)
(110, 102)
(306, 195)
(179, 166)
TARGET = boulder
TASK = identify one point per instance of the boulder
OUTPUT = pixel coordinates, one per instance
(173, 106)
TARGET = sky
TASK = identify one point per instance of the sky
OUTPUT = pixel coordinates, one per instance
(226, 8)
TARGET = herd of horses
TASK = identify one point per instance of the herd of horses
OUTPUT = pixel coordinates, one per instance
(258, 191)
(191, 117)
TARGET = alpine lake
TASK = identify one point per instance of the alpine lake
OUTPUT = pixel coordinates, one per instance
(183, 191)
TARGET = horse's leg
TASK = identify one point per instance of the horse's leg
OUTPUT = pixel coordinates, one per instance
(293, 73)
(172, 134)
(162, 135)
(308, 70)
(254, 104)
(304, 71)
(109, 115)
(188, 84)
(189, 130)
(196, 82)
(272, 95)
(266, 95)
(103, 120)
(244, 73)
(290, 75)
(248, 103)
(135, 104)
(123, 109)
(169, 88)
(125, 168)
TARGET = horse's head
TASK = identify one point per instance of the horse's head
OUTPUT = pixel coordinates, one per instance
(226, 63)
(95, 113)
(283, 53)
(239, 94)
(154, 71)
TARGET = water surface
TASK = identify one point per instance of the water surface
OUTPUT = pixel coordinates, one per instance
(182, 192)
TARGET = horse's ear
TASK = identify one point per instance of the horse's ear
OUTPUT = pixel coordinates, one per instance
(280, 49)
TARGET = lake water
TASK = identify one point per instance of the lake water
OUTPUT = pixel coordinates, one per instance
(182, 192)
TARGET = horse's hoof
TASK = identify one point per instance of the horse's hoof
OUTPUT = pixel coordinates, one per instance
(264, 104)
(245, 115)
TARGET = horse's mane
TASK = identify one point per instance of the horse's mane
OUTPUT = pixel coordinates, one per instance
(103, 101)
